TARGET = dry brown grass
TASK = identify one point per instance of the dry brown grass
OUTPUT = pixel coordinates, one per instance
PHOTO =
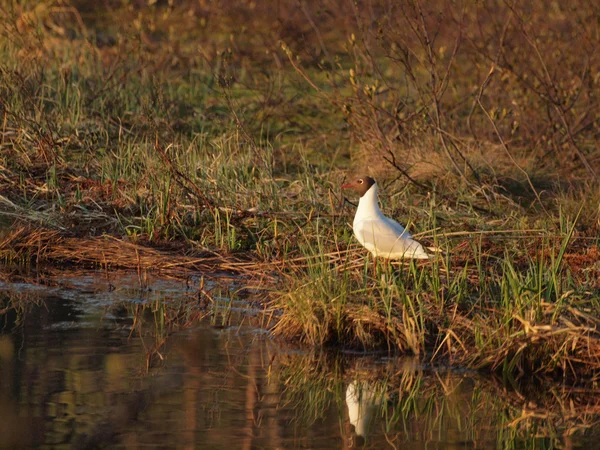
(564, 343)
(58, 249)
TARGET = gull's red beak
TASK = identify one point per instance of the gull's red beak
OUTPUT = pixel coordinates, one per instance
(347, 186)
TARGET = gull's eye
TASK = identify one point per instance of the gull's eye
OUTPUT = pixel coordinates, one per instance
(360, 181)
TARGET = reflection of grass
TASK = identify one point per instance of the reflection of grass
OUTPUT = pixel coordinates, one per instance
(14, 308)
(413, 406)
(155, 320)
(174, 130)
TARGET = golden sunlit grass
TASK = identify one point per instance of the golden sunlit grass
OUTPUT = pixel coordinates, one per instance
(44, 246)
(177, 140)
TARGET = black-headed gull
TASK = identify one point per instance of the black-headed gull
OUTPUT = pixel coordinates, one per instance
(382, 236)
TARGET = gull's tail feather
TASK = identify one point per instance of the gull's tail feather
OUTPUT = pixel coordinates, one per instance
(416, 251)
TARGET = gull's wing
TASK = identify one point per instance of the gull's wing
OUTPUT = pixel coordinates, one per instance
(387, 238)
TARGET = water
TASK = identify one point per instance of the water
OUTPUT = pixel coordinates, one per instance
(88, 364)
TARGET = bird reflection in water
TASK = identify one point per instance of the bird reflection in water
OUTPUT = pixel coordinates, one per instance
(363, 401)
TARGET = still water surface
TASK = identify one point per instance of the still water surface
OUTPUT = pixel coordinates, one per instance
(89, 364)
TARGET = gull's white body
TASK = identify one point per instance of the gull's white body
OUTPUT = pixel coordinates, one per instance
(382, 236)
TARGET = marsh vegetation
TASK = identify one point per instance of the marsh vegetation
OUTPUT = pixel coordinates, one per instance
(213, 137)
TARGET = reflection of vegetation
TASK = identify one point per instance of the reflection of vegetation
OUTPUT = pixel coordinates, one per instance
(14, 307)
(224, 385)
(549, 411)
(68, 366)
(408, 404)
(311, 384)
(158, 318)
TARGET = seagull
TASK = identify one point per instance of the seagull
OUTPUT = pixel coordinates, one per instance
(379, 234)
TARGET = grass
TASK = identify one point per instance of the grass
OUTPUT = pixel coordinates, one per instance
(511, 312)
(173, 140)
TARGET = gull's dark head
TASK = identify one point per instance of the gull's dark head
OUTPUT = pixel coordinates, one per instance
(360, 185)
